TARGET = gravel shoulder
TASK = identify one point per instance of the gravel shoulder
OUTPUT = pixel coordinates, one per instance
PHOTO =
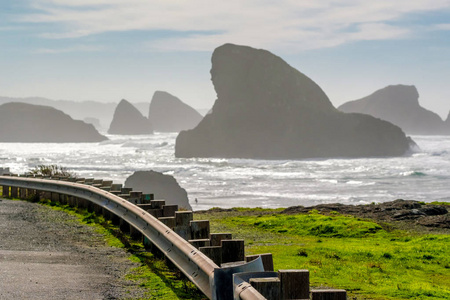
(48, 254)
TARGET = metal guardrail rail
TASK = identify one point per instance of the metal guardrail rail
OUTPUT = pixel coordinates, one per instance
(196, 266)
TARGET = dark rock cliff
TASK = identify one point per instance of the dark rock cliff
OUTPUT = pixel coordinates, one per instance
(22, 122)
(169, 114)
(399, 104)
(268, 110)
(128, 120)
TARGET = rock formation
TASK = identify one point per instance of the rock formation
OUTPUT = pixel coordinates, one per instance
(399, 104)
(22, 122)
(93, 121)
(447, 121)
(128, 120)
(162, 186)
(268, 110)
(170, 114)
(79, 110)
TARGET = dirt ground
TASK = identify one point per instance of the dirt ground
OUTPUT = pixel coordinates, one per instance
(46, 254)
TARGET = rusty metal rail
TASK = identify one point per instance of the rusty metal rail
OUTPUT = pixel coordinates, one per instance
(196, 266)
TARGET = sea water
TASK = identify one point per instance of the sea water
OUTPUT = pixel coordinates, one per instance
(216, 182)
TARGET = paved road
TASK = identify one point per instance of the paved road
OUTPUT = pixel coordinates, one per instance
(46, 254)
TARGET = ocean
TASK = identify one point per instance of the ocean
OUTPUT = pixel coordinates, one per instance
(215, 182)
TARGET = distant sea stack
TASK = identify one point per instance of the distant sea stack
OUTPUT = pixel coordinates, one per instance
(399, 104)
(170, 114)
(265, 109)
(128, 120)
(28, 123)
(447, 121)
(164, 187)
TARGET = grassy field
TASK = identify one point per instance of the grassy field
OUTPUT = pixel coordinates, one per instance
(369, 260)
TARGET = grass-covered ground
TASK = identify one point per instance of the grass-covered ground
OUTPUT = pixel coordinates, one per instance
(369, 260)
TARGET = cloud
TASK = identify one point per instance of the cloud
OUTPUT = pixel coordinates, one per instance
(201, 25)
(443, 26)
(77, 48)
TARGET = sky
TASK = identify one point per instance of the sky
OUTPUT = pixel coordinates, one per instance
(108, 50)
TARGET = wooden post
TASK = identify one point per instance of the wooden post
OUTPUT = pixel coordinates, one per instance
(5, 191)
(199, 229)
(266, 258)
(182, 222)
(169, 210)
(216, 238)
(328, 295)
(232, 251)
(14, 192)
(146, 198)
(135, 197)
(23, 193)
(268, 287)
(294, 284)
(214, 253)
(168, 221)
(157, 204)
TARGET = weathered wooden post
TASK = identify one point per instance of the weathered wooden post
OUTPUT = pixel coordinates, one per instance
(168, 221)
(266, 258)
(5, 191)
(216, 238)
(182, 222)
(294, 284)
(268, 287)
(14, 192)
(328, 295)
(232, 251)
(135, 197)
(199, 229)
(169, 210)
(214, 253)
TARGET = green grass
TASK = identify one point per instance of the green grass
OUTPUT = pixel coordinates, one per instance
(367, 259)
(154, 276)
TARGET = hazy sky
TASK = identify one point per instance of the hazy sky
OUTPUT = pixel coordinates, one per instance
(106, 50)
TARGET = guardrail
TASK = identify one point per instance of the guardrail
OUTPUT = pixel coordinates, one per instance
(231, 281)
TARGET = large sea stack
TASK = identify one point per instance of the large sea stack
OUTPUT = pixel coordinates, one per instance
(28, 123)
(399, 104)
(128, 120)
(266, 109)
(170, 114)
(164, 187)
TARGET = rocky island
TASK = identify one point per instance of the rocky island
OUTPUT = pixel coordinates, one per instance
(399, 104)
(170, 114)
(27, 123)
(266, 109)
(128, 120)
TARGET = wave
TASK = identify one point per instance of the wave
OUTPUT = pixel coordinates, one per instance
(144, 146)
(440, 153)
(413, 174)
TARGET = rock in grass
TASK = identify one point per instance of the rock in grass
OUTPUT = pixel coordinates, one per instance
(265, 109)
(27, 123)
(164, 187)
